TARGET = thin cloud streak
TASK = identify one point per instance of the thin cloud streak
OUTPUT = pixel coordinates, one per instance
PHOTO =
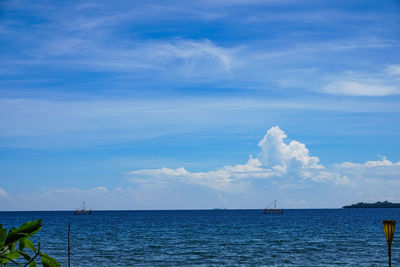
(30, 119)
(386, 82)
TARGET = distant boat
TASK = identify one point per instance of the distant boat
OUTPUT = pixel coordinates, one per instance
(82, 210)
(273, 210)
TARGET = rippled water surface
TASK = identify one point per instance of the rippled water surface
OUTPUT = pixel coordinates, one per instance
(216, 237)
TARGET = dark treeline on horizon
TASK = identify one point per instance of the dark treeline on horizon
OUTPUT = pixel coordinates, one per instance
(385, 204)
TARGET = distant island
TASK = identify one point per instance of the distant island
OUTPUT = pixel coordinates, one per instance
(385, 204)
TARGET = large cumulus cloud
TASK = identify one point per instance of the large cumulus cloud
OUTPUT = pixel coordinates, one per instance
(276, 159)
(281, 170)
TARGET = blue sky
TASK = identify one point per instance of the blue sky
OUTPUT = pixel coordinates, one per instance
(198, 104)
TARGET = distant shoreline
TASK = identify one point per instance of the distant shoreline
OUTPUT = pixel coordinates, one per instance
(385, 204)
(378, 204)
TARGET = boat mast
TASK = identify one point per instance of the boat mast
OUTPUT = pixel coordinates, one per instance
(275, 204)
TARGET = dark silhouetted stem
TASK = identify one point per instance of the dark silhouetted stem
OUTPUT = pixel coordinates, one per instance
(34, 257)
(69, 248)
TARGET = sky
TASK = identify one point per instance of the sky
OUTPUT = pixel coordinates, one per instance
(199, 104)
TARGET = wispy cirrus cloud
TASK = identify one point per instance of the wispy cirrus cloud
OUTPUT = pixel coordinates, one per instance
(394, 70)
(44, 123)
(169, 58)
(362, 87)
(98, 37)
(386, 82)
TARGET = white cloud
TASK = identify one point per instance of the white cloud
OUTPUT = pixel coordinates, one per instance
(225, 179)
(342, 180)
(96, 190)
(393, 69)
(384, 162)
(359, 88)
(171, 57)
(281, 170)
(276, 153)
(276, 159)
(101, 37)
(119, 198)
(67, 199)
(196, 51)
(353, 83)
(3, 193)
(89, 39)
(372, 180)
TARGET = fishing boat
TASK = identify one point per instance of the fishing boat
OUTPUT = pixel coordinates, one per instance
(273, 210)
(82, 210)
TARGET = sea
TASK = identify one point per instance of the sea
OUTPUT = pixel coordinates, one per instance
(308, 237)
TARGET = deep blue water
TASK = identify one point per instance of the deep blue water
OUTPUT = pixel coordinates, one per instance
(323, 237)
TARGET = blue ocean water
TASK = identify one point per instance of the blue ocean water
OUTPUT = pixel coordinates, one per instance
(326, 237)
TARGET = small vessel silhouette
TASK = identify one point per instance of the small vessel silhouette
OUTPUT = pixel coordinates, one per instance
(82, 210)
(273, 210)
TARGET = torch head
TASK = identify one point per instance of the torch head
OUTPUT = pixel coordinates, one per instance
(388, 227)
